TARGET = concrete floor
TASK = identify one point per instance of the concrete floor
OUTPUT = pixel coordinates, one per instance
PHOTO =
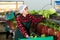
(3, 37)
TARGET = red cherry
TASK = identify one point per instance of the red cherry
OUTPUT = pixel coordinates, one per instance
(55, 32)
(45, 30)
(58, 34)
(51, 31)
(58, 39)
(39, 29)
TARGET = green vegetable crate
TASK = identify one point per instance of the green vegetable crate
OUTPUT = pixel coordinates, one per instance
(39, 38)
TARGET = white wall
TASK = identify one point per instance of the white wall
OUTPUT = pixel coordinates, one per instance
(38, 4)
(35, 4)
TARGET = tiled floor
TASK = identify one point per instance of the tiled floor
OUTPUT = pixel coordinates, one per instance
(3, 37)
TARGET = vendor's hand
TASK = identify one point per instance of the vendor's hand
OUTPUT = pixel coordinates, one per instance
(27, 36)
(43, 16)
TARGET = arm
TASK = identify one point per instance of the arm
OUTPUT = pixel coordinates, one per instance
(21, 27)
(34, 19)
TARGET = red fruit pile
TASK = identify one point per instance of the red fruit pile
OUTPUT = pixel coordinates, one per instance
(58, 34)
(41, 29)
(50, 31)
(45, 30)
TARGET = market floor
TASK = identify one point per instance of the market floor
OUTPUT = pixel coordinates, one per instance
(3, 37)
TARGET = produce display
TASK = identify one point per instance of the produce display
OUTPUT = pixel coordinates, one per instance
(47, 31)
(47, 26)
(45, 13)
(51, 24)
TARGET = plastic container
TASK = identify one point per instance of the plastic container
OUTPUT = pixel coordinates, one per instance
(39, 38)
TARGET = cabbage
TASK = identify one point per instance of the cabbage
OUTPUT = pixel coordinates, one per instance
(33, 12)
(51, 11)
(47, 13)
(44, 13)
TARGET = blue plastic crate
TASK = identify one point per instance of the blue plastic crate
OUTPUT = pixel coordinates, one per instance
(39, 38)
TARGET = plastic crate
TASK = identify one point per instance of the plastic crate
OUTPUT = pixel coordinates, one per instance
(39, 38)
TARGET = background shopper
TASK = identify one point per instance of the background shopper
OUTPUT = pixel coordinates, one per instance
(10, 18)
(7, 29)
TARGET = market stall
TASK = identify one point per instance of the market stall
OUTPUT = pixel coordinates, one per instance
(51, 24)
(47, 29)
(4, 8)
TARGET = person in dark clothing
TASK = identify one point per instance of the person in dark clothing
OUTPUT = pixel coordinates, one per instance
(10, 17)
(7, 29)
(7, 34)
(24, 21)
